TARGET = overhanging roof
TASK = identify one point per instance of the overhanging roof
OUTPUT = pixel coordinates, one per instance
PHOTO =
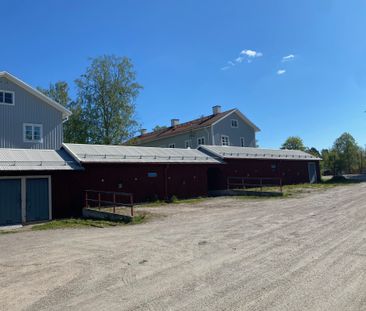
(65, 112)
(192, 125)
(231, 152)
(85, 153)
(36, 160)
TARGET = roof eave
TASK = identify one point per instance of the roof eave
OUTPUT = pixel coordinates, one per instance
(65, 112)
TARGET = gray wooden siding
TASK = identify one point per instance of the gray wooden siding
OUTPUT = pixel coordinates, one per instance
(179, 140)
(244, 130)
(28, 109)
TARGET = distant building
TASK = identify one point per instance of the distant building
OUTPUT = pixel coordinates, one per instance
(228, 128)
(28, 118)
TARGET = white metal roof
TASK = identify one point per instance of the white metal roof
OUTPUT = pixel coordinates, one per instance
(132, 154)
(35, 160)
(231, 152)
(65, 112)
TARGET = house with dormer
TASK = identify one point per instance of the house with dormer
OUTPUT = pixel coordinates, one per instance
(221, 128)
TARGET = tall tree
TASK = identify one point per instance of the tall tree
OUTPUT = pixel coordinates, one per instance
(347, 151)
(294, 143)
(75, 128)
(107, 92)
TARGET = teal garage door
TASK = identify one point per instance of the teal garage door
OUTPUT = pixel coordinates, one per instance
(37, 202)
(10, 202)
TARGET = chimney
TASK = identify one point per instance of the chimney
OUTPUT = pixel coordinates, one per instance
(216, 109)
(143, 131)
(174, 122)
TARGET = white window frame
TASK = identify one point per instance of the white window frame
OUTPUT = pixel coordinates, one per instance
(33, 125)
(228, 140)
(187, 143)
(237, 123)
(172, 145)
(242, 141)
(4, 103)
(202, 139)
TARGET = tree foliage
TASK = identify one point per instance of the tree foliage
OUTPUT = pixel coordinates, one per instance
(159, 128)
(107, 93)
(344, 157)
(104, 110)
(75, 128)
(294, 143)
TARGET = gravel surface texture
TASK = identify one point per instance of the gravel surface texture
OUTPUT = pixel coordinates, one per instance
(306, 253)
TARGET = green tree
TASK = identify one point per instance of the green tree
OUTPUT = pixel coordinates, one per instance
(347, 151)
(159, 128)
(313, 151)
(75, 128)
(294, 143)
(107, 92)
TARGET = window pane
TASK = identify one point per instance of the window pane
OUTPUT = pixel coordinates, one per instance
(9, 98)
(37, 133)
(28, 132)
(1, 97)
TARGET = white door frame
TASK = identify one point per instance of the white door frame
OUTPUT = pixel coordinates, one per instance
(315, 172)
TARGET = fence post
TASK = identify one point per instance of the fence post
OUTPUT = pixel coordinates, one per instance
(281, 184)
(86, 199)
(131, 202)
(99, 200)
(261, 181)
(114, 202)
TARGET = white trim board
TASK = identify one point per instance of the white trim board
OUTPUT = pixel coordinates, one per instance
(65, 112)
(242, 116)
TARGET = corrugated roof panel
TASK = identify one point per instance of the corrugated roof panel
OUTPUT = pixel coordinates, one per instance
(36, 159)
(232, 152)
(133, 154)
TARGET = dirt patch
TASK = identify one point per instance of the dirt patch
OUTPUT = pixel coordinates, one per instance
(302, 253)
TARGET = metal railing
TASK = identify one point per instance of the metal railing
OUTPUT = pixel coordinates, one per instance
(253, 182)
(105, 199)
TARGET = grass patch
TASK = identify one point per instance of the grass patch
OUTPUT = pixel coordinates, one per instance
(173, 200)
(298, 189)
(76, 223)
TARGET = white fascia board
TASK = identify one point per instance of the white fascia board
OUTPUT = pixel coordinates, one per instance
(65, 112)
(242, 116)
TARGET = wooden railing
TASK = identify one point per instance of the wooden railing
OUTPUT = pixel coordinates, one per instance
(105, 199)
(253, 182)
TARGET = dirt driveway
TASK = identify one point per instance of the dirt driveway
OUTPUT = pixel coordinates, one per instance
(304, 253)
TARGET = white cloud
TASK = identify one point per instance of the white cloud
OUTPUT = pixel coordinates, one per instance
(288, 58)
(244, 55)
(239, 59)
(281, 71)
(251, 53)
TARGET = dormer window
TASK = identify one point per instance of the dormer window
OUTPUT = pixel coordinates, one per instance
(6, 98)
(32, 133)
(234, 123)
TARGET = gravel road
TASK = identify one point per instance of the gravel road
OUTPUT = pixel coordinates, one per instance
(305, 253)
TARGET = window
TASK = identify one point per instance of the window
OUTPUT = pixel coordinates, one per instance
(172, 145)
(242, 141)
(32, 132)
(152, 174)
(187, 144)
(234, 123)
(200, 141)
(225, 140)
(6, 98)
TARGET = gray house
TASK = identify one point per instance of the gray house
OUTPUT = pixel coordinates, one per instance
(28, 118)
(228, 128)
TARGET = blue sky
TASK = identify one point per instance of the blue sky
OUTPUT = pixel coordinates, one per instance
(182, 52)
